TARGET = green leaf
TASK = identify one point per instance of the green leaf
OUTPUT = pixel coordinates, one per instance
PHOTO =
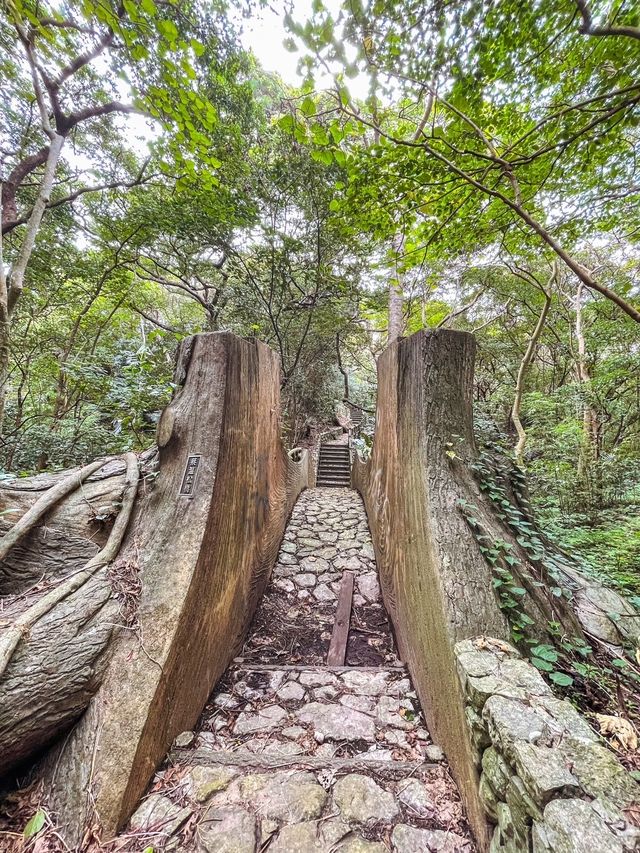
(35, 824)
(308, 107)
(561, 679)
(620, 663)
(545, 652)
(286, 123)
(325, 157)
(544, 665)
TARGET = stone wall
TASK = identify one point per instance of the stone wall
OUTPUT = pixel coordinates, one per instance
(203, 543)
(547, 780)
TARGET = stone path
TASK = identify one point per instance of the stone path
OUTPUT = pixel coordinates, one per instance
(291, 756)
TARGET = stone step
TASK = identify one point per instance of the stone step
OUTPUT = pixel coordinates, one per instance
(370, 714)
(204, 757)
(346, 806)
(285, 667)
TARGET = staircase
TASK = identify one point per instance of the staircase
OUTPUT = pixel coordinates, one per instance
(357, 418)
(334, 466)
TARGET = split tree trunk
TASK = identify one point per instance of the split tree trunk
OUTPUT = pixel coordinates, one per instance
(442, 536)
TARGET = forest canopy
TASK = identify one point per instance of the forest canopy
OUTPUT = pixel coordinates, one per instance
(467, 165)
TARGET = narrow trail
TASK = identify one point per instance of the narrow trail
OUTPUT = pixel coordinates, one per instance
(294, 756)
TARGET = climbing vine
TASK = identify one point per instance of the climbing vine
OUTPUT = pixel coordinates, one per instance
(541, 583)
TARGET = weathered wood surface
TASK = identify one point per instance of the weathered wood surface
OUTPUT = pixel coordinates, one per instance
(57, 614)
(203, 560)
(340, 634)
(71, 533)
(435, 583)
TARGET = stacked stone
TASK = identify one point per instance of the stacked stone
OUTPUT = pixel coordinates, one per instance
(547, 780)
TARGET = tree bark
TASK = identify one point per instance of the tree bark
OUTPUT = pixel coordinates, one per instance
(345, 375)
(396, 295)
(589, 447)
(60, 629)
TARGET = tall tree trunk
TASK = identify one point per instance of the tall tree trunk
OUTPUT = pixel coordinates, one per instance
(396, 295)
(522, 371)
(345, 375)
(11, 286)
(590, 445)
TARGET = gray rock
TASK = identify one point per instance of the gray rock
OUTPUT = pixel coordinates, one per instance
(158, 814)
(293, 732)
(291, 690)
(290, 796)
(390, 712)
(305, 580)
(567, 716)
(278, 747)
(509, 720)
(288, 547)
(361, 799)
(600, 773)
(488, 797)
(316, 565)
(185, 739)
(497, 771)
(316, 678)
(368, 586)
(413, 795)
(523, 674)
(543, 772)
(298, 838)
(287, 559)
(408, 839)
(481, 689)
(432, 752)
(337, 722)
(477, 664)
(327, 691)
(523, 808)
(323, 593)
(360, 845)
(204, 781)
(365, 683)
(226, 830)
(262, 720)
(572, 826)
(225, 700)
(359, 703)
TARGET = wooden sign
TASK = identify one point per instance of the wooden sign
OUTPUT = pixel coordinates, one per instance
(189, 477)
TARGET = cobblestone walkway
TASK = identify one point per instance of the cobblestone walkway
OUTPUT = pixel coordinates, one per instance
(292, 756)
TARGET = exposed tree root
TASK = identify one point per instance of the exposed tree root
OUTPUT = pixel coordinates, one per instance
(21, 625)
(42, 506)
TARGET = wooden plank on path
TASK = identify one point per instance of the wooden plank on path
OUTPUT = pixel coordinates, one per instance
(340, 635)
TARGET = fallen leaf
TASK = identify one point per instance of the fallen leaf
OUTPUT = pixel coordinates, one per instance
(618, 728)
